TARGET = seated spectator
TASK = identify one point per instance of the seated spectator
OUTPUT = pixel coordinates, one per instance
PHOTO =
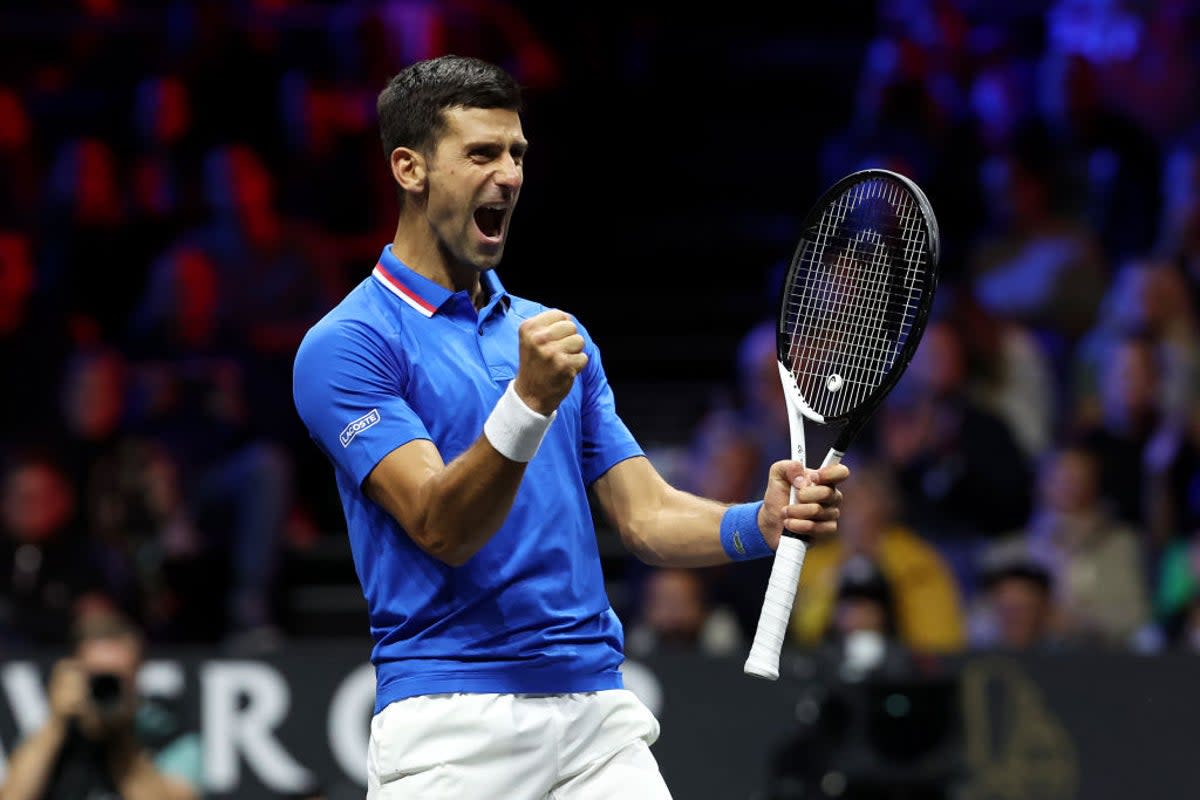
(965, 477)
(1014, 609)
(1035, 264)
(1177, 592)
(34, 342)
(86, 214)
(1150, 296)
(47, 565)
(676, 614)
(729, 454)
(1009, 373)
(924, 594)
(1098, 562)
(1147, 461)
(191, 377)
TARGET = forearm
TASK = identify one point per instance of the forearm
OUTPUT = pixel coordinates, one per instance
(32, 763)
(467, 501)
(682, 530)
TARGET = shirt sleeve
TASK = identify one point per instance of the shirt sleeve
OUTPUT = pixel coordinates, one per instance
(606, 438)
(347, 387)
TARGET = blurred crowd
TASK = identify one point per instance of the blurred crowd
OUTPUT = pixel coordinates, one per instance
(1033, 481)
(188, 186)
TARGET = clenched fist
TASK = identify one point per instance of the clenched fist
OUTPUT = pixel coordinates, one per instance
(551, 356)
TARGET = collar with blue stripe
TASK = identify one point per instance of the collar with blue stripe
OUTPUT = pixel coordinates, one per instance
(425, 296)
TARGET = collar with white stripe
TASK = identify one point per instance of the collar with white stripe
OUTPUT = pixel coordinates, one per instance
(418, 291)
(422, 294)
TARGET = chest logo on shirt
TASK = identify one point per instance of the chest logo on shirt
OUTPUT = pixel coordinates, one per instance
(358, 426)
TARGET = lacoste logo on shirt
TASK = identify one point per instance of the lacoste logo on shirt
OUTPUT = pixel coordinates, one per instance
(358, 426)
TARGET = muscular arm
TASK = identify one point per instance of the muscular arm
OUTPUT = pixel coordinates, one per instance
(449, 510)
(452, 510)
(665, 526)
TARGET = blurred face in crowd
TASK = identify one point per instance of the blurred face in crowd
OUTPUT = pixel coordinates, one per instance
(196, 286)
(674, 603)
(863, 522)
(858, 615)
(1021, 609)
(939, 365)
(1071, 482)
(15, 130)
(759, 367)
(1130, 386)
(96, 194)
(238, 184)
(1181, 189)
(1015, 196)
(95, 395)
(16, 278)
(38, 502)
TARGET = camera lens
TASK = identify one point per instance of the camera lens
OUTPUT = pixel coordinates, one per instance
(106, 690)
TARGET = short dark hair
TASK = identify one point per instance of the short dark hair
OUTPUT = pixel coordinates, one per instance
(410, 108)
(104, 625)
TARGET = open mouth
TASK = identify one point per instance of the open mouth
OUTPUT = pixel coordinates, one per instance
(490, 220)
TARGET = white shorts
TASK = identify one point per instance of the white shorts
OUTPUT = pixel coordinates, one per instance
(585, 746)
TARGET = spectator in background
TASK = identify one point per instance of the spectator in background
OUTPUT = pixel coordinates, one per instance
(1150, 295)
(728, 451)
(1146, 461)
(20, 160)
(268, 283)
(924, 598)
(1177, 593)
(1014, 609)
(47, 565)
(88, 251)
(1179, 228)
(1098, 562)
(676, 614)
(162, 181)
(1009, 373)
(236, 480)
(960, 467)
(33, 345)
(1033, 263)
(1107, 158)
(104, 738)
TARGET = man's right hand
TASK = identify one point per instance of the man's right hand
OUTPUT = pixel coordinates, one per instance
(68, 690)
(551, 356)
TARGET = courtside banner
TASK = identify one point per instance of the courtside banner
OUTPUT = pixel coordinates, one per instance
(1074, 726)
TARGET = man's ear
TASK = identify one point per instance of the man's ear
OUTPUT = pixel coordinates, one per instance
(408, 168)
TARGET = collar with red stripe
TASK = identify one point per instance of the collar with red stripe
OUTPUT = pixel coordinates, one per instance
(425, 295)
(418, 291)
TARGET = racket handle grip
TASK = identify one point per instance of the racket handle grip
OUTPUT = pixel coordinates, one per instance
(763, 661)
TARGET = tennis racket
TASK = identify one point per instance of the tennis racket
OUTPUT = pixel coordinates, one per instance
(852, 310)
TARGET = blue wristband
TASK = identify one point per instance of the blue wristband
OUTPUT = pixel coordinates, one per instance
(740, 535)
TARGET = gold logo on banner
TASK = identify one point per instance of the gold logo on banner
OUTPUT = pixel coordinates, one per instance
(1016, 749)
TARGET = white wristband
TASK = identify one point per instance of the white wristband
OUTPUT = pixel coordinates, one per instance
(515, 429)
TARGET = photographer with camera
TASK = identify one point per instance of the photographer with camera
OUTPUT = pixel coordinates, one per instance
(104, 740)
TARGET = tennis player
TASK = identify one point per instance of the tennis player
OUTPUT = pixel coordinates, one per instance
(465, 426)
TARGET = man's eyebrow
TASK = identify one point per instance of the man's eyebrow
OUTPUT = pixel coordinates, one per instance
(520, 145)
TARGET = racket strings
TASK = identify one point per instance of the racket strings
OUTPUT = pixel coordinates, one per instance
(854, 295)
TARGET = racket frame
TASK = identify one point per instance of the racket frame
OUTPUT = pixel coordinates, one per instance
(763, 659)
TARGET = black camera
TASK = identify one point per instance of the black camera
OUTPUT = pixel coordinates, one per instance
(106, 690)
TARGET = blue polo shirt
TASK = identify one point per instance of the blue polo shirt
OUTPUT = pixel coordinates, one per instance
(401, 358)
